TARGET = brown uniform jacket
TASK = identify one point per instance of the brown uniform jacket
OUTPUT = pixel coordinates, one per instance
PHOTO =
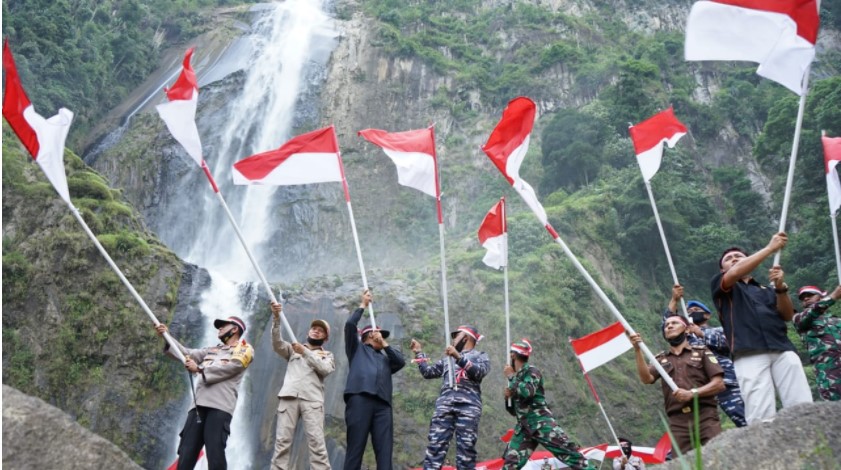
(305, 373)
(694, 367)
(224, 366)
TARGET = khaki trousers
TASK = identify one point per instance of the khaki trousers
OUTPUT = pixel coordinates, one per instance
(312, 414)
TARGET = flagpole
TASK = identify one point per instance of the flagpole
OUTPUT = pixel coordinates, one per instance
(353, 228)
(665, 246)
(443, 259)
(794, 145)
(234, 224)
(668, 380)
(173, 345)
(505, 286)
(837, 252)
(599, 402)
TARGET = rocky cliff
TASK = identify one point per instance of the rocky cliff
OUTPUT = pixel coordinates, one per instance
(73, 337)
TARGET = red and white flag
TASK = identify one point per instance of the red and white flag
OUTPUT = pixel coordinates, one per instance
(493, 236)
(413, 153)
(507, 147)
(832, 155)
(179, 113)
(308, 158)
(649, 455)
(43, 138)
(649, 136)
(779, 35)
(601, 347)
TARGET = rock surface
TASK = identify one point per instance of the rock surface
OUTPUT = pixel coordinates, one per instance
(38, 436)
(801, 437)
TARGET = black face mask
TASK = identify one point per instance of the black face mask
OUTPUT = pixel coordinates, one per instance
(677, 339)
(626, 450)
(698, 317)
(460, 345)
(225, 337)
(314, 342)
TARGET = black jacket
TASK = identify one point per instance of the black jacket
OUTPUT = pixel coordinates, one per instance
(370, 370)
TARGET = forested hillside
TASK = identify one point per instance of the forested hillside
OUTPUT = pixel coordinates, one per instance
(88, 55)
(593, 67)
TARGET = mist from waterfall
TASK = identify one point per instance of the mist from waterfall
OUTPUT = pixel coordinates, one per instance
(259, 119)
(289, 45)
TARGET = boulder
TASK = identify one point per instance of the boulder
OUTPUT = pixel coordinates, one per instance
(37, 435)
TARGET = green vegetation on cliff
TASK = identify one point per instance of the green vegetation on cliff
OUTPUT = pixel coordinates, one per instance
(88, 55)
(72, 334)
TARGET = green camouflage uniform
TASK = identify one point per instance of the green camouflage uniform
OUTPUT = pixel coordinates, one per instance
(535, 424)
(822, 334)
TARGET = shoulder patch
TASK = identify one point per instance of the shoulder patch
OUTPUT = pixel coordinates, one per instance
(244, 353)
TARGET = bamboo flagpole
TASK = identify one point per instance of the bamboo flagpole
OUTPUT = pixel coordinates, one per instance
(601, 407)
(179, 115)
(649, 137)
(444, 296)
(666, 248)
(493, 236)
(353, 228)
(507, 147)
(596, 349)
(414, 157)
(310, 158)
(44, 140)
(792, 160)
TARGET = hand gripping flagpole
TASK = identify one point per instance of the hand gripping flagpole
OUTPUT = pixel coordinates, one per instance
(665, 246)
(353, 228)
(443, 261)
(668, 380)
(793, 159)
(234, 224)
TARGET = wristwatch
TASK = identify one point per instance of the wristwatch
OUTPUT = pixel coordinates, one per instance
(694, 392)
(781, 290)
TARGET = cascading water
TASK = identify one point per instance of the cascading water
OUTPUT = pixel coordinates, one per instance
(286, 46)
(289, 46)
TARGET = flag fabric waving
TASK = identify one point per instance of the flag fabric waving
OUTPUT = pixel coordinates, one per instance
(43, 138)
(179, 113)
(507, 147)
(601, 347)
(308, 158)
(832, 155)
(413, 153)
(492, 236)
(649, 136)
(779, 35)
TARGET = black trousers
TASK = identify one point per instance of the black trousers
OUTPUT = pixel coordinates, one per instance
(364, 415)
(212, 434)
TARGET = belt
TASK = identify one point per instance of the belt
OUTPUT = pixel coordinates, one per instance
(682, 411)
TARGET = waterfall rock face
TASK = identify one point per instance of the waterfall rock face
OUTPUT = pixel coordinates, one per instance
(37, 435)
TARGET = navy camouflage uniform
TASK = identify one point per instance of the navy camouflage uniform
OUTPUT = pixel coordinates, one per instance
(730, 400)
(456, 409)
(536, 424)
(822, 334)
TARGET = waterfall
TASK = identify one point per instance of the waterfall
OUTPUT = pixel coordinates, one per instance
(288, 47)
(287, 43)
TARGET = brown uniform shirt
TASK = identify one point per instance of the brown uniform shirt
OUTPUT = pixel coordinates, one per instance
(694, 367)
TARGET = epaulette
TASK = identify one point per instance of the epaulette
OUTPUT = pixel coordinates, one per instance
(661, 354)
